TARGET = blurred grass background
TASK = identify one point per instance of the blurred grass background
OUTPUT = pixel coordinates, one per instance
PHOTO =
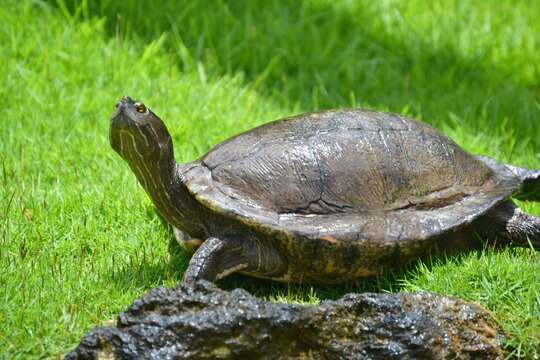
(79, 238)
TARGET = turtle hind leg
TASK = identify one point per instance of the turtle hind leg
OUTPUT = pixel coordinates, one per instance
(218, 258)
(523, 229)
(510, 223)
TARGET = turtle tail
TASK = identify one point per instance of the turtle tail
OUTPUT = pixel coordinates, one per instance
(530, 189)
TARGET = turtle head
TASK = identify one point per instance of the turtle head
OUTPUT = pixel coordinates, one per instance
(139, 135)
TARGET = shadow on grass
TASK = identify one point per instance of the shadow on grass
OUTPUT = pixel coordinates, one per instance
(145, 273)
(311, 293)
(321, 55)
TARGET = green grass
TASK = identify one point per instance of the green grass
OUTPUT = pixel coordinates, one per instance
(79, 238)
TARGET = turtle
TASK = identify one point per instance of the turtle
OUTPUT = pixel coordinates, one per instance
(325, 197)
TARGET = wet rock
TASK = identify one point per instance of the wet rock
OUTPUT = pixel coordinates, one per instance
(204, 322)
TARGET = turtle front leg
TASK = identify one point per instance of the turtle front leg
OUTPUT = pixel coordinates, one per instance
(218, 258)
(516, 227)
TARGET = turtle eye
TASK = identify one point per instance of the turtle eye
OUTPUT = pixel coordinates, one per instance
(140, 108)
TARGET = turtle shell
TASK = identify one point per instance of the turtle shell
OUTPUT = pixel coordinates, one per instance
(347, 176)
